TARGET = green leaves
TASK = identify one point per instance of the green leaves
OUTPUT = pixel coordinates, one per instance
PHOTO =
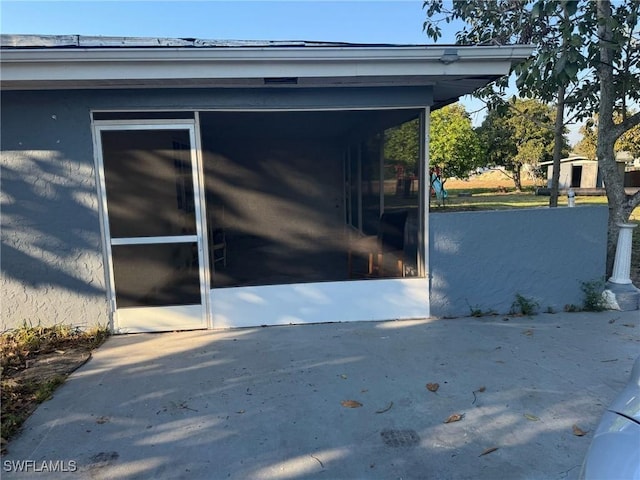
(520, 133)
(570, 6)
(454, 146)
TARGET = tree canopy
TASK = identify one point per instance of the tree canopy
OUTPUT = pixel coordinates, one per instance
(402, 144)
(586, 58)
(519, 136)
(628, 141)
(454, 145)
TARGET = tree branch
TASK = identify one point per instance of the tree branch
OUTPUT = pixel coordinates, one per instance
(625, 125)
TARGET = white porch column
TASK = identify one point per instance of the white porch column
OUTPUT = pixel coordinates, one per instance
(622, 262)
(619, 288)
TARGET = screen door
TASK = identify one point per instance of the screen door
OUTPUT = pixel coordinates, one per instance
(153, 224)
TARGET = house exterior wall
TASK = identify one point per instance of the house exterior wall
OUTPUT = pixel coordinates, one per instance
(52, 252)
(52, 267)
(52, 260)
(481, 260)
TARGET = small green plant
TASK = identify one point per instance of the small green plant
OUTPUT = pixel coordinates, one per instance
(18, 347)
(44, 391)
(593, 301)
(476, 311)
(524, 306)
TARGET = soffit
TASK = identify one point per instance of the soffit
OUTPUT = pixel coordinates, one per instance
(73, 62)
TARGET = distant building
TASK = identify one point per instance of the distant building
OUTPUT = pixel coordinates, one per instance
(575, 172)
(580, 172)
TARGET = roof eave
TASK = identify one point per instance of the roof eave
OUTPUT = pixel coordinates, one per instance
(46, 67)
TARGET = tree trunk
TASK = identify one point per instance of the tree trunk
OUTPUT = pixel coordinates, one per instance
(558, 134)
(517, 177)
(613, 181)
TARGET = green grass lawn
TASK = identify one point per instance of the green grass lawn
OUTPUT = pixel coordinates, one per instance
(508, 200)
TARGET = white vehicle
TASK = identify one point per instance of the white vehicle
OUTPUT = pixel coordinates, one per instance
(615, 449)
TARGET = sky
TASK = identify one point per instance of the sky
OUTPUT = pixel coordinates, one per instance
(362, 21)
(391, 21)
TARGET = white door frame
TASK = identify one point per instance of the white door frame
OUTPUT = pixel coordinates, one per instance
(139, 319)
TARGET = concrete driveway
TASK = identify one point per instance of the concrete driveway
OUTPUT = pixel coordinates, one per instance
(267, 403)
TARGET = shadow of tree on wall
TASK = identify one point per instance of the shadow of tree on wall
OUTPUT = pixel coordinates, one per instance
(50, 234)
(283, 212)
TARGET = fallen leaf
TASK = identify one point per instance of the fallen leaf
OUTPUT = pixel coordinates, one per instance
(612, 320)
(578, 432)
(350, 404)
(488, 451)
(101, 420)
(433, 387)
(481, 389)
(528, 333)
(364, 390)
(240, 411)
(456, 417)
(385, 409)
(630, 325)
(343, 376)
(533, 418)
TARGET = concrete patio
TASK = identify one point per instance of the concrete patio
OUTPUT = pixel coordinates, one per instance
(267, 403)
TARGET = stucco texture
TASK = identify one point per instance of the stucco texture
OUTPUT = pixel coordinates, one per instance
(52, 266)
(481, 260)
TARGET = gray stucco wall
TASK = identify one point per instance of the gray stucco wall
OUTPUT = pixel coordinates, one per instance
(51, 258)
(51, 244)
(481, 260)
(52, 265)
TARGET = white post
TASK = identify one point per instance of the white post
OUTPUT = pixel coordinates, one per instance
(622, 262)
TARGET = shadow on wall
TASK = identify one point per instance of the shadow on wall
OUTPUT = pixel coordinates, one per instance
(51, 261)
(279, 202)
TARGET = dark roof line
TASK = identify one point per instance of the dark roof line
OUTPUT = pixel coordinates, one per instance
(89, 41)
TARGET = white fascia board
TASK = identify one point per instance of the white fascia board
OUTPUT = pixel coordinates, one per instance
(198, 63)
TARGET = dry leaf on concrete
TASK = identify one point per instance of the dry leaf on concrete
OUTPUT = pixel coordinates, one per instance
(578, 432)
(350, 404)
(528, 333)
(456, 417)
(481, 389)
(433, 387)
(533, 418)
